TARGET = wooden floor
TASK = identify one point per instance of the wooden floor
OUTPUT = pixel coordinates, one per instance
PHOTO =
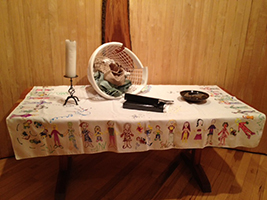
(148, 175)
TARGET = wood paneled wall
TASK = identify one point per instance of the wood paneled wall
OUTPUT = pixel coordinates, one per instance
(181, 41)
(213, 42)
(33, 34)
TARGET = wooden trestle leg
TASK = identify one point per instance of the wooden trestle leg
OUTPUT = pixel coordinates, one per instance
(62, 179)
(193, 160)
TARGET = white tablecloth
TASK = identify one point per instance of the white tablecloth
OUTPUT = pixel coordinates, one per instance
(42, 126)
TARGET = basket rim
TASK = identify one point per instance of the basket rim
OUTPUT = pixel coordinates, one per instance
(90, 70)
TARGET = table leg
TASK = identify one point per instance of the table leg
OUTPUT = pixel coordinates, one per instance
(62, 179)
(193, 160)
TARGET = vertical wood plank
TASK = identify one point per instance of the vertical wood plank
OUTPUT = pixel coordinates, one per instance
(116, 22)
(81, 39)
(56, 41)
(6, 61)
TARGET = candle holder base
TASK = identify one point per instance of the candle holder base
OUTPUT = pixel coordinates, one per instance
(73, 97)
(71, 92)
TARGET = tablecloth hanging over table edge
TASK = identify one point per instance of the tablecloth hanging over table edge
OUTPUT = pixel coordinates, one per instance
(41, 126)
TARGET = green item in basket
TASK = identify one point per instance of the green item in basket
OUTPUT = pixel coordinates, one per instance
(110, 88)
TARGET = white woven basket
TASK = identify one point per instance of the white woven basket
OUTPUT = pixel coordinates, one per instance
(129, 62)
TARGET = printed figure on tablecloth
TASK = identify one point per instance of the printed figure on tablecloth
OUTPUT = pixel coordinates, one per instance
(98, 134)
(127, 136)
(56, 135)
(26, 125)
(71, 135)
(37, 124)
(211, 130)
(86, 135)
(111, 132)
(185, 131)
(199, 127)
(171, 127)
(232, 131)
(157, 133)
(148, 132)
(242, 126)
(144, 140)
(140, 140)
(27, 134)
(223, 134)
(44, 133)
(35, 139)
(140, 128)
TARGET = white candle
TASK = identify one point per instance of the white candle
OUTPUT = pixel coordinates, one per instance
(70, 58)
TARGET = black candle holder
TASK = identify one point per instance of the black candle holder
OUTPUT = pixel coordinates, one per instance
(71, 92)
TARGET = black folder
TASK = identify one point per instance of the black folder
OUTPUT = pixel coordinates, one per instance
(138, 102)
(146, 107)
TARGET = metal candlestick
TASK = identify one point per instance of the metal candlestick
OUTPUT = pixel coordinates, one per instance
(71, 92)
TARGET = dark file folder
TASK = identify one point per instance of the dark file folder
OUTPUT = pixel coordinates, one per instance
(147, 107)
(138, 102)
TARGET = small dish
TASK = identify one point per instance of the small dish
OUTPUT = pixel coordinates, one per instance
(194, 95)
